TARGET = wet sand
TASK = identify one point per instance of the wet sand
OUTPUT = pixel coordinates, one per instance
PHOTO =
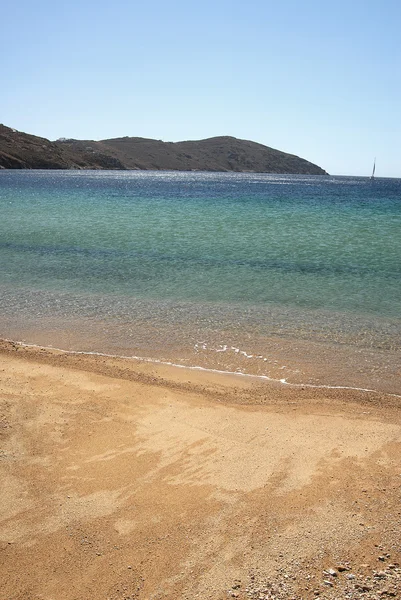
(124, 479)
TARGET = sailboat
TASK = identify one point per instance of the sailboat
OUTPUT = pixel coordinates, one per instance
(374, 169)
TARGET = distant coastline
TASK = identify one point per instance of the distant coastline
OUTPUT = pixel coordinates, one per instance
(20, 150)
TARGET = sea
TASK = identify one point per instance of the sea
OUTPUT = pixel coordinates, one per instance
(289, 278)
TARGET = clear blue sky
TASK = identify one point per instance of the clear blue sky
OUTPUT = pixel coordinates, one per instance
(321, 79)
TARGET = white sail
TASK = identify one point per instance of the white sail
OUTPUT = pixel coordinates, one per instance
(374, 169)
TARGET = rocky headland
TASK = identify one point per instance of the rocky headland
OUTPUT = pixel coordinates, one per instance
(20, 150)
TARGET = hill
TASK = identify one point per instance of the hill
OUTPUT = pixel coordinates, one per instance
(20, 150)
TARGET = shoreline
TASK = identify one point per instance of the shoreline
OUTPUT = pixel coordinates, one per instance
(235, 375)
(156, 361)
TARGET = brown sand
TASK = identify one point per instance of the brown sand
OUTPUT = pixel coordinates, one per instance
(123, 480)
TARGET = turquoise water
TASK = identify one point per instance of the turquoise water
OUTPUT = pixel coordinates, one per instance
(154, 262)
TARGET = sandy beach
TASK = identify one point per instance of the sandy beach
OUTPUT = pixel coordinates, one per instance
(124, 479)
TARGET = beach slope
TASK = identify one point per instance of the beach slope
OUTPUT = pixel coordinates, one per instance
(124, 479)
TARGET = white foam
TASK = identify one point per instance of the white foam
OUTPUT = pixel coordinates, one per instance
(225, 348)
(222, 349)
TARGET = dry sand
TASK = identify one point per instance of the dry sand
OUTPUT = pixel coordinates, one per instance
(123, 480)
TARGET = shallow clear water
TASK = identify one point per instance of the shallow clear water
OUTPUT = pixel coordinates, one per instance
(209, 269)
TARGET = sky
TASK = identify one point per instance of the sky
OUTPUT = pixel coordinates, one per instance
(319, 79)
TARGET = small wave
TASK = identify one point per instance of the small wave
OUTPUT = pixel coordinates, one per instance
(206, 369)
(225, 348)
